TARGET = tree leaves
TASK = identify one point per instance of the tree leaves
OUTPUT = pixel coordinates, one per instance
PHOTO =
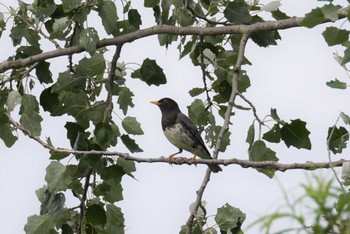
(237, 12)
(89, 39)
(259, 152)
(150, 73)
(335, 36)
(336, 84)
(337, 139)
(96, 216)
(108, 13)
(295, 134)
(56, 177)
(29, 111)
(229, 218)
(131, 126)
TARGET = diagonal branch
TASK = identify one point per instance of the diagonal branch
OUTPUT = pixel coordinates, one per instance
(225, 127)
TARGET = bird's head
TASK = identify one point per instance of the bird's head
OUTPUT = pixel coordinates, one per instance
(167, 105)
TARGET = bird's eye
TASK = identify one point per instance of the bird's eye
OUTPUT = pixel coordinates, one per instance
(165, 101)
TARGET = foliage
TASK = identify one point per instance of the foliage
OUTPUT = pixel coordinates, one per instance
(94, 93)
(322, 207)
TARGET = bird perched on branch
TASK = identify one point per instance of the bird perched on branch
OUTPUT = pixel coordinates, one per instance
(181, 132)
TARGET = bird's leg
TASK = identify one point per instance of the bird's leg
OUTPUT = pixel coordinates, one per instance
(171, 157)
(193, 159)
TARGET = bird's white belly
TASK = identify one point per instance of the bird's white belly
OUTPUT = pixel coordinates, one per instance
(178, 137)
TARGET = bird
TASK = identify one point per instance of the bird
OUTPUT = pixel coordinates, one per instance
(181, 132)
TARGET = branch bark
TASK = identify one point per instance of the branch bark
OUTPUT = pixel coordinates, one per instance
(155, 30)
(182, 160)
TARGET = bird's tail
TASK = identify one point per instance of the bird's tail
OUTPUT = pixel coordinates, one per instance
(215, 168)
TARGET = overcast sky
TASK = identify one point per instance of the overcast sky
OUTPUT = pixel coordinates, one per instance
(290, 77)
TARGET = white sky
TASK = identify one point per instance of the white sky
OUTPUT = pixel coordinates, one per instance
(290, 77)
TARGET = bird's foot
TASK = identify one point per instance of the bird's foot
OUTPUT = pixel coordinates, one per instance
(193, 159)
(171, 159)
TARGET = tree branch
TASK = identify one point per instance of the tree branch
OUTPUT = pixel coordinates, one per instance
(182, 160)
(111, 75)
(155, 30)
(225, 127)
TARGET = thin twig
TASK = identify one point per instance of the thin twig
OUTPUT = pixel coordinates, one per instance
(83, 200)
(211, 22)
(253, 108)
(204, 77)
(329, 154)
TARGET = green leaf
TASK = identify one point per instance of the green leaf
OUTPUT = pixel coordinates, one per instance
(196, 91)
(14, 98)
(335, 36)
(6, 131)
(76, 136)
(151, 3)
(337, 138)
(345, 118)
(88, 38)
(131, 126)
(96, 215)
(265, 38)
(295, 134)
(104, 135)
(125, 99)
(243, 82)
(29, 111)
(134, 18)
(51, 203)
(18, 32)
(259, 152)
(237, 12)
(198, 113)
(346, 57)
(279, 15)
(183, 17)
(92, 66)
(115, 219)
(49, 101)
(42, 71)
(40, 224)
(130, 144)
(44, 9)
(151, 73)
(69, 82)
(115, 193)
(330, 12)
(108, 13)
(228, 218)
(274, 116)
(69, 5)
(128, 166)
(32, 37)
(274, 135)
(56, 178)
(336, 84)
(313, 18)
(251, 135)
(75, 103)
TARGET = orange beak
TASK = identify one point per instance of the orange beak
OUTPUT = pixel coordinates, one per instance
(155, 103)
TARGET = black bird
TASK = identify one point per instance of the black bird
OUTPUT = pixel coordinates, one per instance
(181, 132)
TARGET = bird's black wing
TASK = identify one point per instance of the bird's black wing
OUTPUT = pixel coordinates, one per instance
(192, 130)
